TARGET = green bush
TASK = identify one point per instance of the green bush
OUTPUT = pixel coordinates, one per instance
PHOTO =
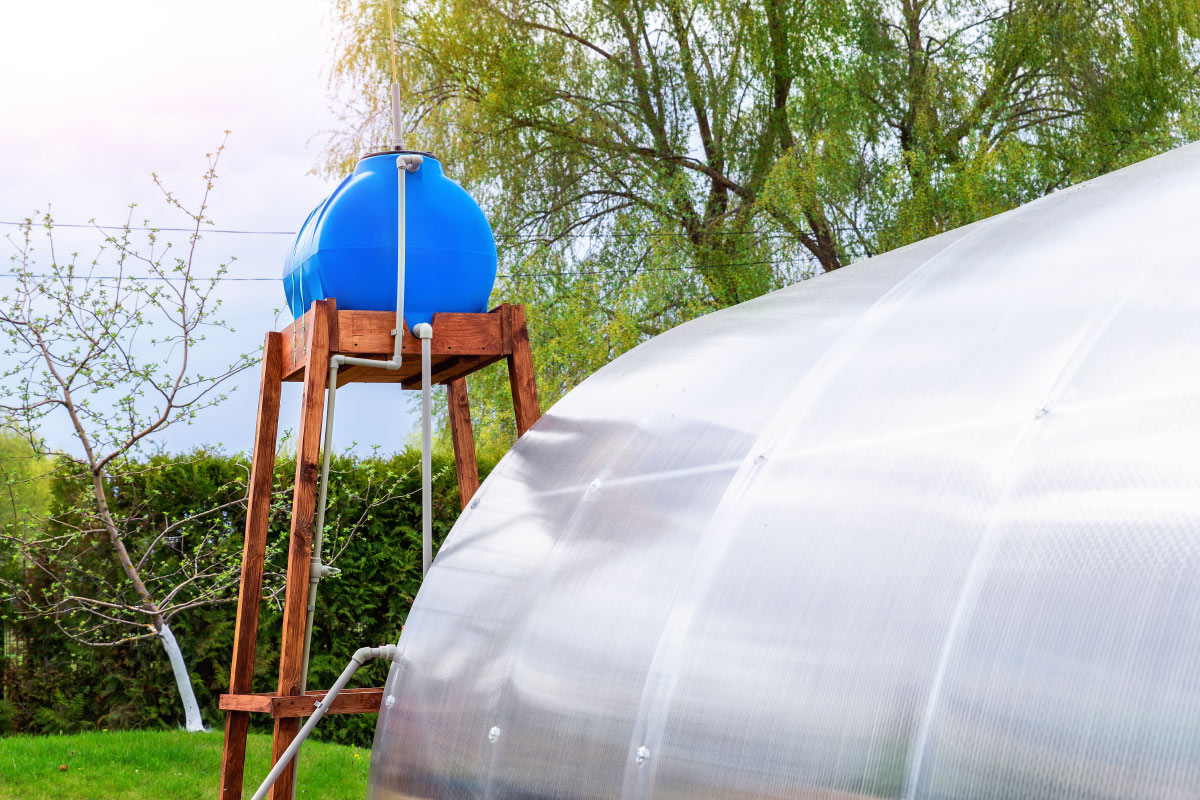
(373, 534)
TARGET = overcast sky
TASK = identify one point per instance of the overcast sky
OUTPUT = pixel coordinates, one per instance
(96, 96)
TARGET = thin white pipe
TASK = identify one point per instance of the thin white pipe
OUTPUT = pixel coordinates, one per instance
(424, 332)
(396, 143)
(360, 657)
(403, 167)
(317, 568)
(405, 163)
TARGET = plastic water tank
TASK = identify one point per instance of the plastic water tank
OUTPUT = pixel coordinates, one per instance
(346, 249)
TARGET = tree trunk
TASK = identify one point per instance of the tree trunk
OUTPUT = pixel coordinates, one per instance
(191, 709)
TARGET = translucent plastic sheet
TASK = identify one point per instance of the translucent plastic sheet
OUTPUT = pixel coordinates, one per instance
(926, 527)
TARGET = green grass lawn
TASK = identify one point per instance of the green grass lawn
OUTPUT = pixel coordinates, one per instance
(162, 764)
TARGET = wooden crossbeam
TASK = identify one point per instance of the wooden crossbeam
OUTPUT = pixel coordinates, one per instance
(350, 701)
(367, 334)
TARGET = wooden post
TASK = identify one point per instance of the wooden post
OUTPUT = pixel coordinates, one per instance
(258, 508)
(463, 438)
(521, 378)
(304, 502)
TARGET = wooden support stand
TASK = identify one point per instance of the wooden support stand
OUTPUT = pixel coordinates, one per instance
(462, 344)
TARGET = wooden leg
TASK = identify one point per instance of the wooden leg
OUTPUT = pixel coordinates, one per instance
(286, 729)
(463, 438)
(521, 377)
(304, 501)
(258, 508)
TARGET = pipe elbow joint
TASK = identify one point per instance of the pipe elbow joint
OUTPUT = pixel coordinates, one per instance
(364, 654)
(409, 162)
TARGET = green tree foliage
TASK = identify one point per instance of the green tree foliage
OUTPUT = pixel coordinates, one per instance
(24, 483)
(374, 537)
(645, 161)
(24, 498)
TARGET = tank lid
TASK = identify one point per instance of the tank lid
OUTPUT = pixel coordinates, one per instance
(399, 151)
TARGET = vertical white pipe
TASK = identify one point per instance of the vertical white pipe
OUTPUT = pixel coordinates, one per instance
(402, 168)
(409, 162)
(425, 332)
(317, 569)
(396, 143)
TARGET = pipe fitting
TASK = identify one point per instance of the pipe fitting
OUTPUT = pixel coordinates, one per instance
(319, 571)
(423, 330)
(360, 657)
(364, 654)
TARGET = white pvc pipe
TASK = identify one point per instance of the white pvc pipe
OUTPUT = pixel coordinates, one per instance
(318, 569)
(360, 657)
(396, 143)
(402, 170)
(424, 332)
(405, 163)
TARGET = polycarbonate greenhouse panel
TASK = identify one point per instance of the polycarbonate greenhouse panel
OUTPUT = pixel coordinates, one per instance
(925, 527)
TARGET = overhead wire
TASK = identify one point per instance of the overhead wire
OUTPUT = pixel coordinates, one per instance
(518, 274)
(526, 237)
(149, 228)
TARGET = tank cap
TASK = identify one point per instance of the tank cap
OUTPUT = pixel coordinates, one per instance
(399, 151)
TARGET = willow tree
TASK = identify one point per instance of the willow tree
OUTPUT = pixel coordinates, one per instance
(647, 160)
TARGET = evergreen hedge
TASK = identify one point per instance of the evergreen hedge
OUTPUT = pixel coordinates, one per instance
(52, 685)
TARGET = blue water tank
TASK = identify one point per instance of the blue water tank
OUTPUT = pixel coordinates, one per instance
(346, 249)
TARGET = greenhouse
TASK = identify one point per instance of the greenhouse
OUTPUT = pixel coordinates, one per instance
(923, 527)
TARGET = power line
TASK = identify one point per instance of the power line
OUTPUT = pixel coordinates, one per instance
(523, 237)
(151, 228)
(280, 278)
(139, 278)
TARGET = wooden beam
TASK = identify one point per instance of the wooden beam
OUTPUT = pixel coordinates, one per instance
(304, 501)
(258, 508)
(368, 334)
(521, 378)
(443, 368)
(463, 437)
(350, 701)
(409, 370)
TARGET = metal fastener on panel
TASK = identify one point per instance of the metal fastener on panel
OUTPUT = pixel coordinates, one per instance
(475, 503)
(641, 755)
(389, 701)
(595, 484)
(493, 734)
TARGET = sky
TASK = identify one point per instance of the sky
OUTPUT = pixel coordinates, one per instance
(97, 96)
